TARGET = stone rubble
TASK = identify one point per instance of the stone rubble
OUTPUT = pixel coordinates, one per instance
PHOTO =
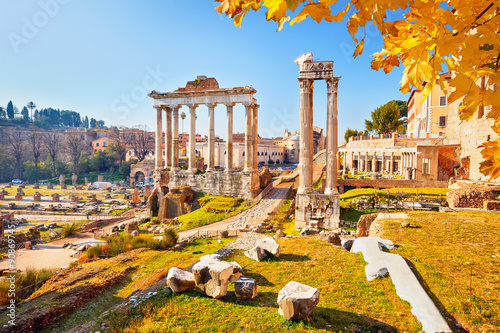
(179, 280)
(297, 300)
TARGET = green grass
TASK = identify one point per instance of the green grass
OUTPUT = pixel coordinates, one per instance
(214, 208)
(347, 303)
(26, 283)
(457, 256)
(426, 191)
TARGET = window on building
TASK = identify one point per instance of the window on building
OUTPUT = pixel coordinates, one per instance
(97, 144)
(442, 100)
(104, 143)
(442, 121)
(426, 166)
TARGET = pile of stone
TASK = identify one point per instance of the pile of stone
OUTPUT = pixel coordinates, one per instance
(211, 276)
(472, 197)
(331, 237)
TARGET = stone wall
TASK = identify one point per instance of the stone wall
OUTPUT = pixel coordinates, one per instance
(317, 211)
(448, 160)
(237, 184)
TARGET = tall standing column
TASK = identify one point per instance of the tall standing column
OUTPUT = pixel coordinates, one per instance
(366, 162)
(229, 140)
(159, 137)
(192, 138)
(175, 139)
(168, 138)
(211, 137)
(383, 163)
(255, 136)
(391, 170)
(331, 136)
(248, 138)
(306, 136)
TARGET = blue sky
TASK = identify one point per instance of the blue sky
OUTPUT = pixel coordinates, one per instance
(100, 58)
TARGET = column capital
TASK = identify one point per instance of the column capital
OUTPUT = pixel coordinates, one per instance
(229, 105)
(159, 107)
(192, 106)
(306, 84)
(210, 105)
(175, 106)
(332, 83)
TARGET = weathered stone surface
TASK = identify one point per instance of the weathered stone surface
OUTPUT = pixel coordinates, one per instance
(211, 257)
(280, 233)
(297, 300)
(306, 231)
(331, 237)
(177, 202)
(264, 177)
(348, 244)
(245, 288)
(132, 226)
(237, 271)
(364, 222)
(468, 197)
(491, 205)
(212, 277)
(135, 233)
(257, 253)
(179, 280)
(54, 234)
(270, 246)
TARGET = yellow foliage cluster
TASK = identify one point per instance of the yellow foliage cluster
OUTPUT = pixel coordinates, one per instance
(434, 37)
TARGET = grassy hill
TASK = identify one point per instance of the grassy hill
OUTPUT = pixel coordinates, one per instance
(442, 247)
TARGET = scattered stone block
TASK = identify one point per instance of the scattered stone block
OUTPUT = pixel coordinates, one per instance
(469, 197)
(270, 246)
(50, 186)
(37, 196)
(364, 223)
(54, 234)
(28, 245)
(348, 244)
(132, 226)
(135, 233)
(297, 300)
(212, 277)
(257, 253)
(491, 205)
(179, 280)
(237, 271)
(55, 197)
(245, 288)
(36, 186)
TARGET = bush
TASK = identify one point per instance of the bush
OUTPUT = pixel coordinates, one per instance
(69, 230)
(26, 284)
(170, 237)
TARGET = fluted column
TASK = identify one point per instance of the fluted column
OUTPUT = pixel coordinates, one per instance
(192, 138)
(331, 137)
(366, 162)
(248, 138)
(306, 135)
(168, 138)
(175, 138)
(383, 163)
(255, 136)
(229, 140)
(158, 142)
(211, 138)
(392, 163)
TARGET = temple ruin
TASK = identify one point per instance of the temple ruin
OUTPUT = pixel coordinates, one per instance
(206, 91)
(317, 210)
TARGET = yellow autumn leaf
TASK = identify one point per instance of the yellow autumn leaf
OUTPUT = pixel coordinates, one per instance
(359, 48)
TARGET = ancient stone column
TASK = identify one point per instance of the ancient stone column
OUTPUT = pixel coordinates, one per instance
(192, 137)
(159, 145)
(383, 163)
(229, 141)
(306, 136)
(255, 136)
(331, 137)
(175, 138)
(168, 138)
(366, 162)
(391, 170)
(248, 138)
(211, 137)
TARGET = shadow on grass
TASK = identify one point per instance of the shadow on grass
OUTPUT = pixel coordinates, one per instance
(260, 279)
(292, 257)
(452, 322)
(337, 320)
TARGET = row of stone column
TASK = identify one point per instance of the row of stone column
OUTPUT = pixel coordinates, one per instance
(307, 140)
(408, 159)
(172, 137)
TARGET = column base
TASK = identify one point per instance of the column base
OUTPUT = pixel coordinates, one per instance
(304, 190)
(175, 169)
(331, 191)
(193, 170)
(247, 170)
(210, 169)
(228, 170)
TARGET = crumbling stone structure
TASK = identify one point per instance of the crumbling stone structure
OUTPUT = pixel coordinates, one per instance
(317, 210)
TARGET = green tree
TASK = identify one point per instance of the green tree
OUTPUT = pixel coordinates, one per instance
(3, 114)
(350, 132)
(31, 106)
(100, 123)
(10, 110)
(93, 123)
(26, 115)
(6, 165)
(386, 119)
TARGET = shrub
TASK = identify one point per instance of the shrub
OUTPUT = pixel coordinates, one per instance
(170, 237)
(69, 230)
(94, 252)
(26, 284)
(105, 249)
(83, 258)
